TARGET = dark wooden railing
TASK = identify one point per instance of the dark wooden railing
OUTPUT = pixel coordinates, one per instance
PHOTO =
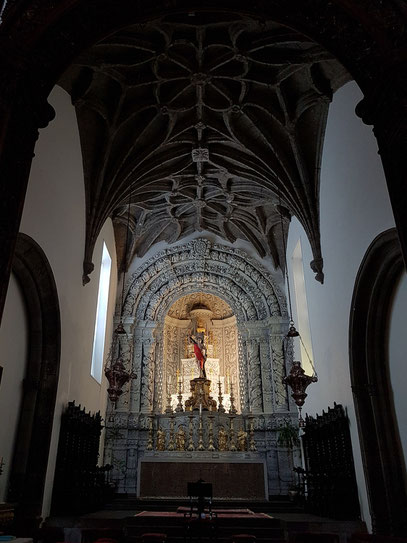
(328, 481)
(79, 485)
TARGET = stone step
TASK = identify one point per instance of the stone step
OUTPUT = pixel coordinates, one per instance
(132, 503)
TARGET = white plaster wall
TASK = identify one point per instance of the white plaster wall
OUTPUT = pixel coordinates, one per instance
(54, 216)
(13, 358)
(397, 358)
(354, 209)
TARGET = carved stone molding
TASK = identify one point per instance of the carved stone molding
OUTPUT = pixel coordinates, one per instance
(247, 287)
(254, 374)
(281, 402)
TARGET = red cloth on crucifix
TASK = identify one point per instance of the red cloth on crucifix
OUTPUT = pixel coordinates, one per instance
(199, 355)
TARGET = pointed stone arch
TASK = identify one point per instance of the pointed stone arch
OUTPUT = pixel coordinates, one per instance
(32, 443)
(369, 368)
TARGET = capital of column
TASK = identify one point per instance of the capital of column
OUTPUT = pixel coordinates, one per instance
(23, 97)
(385, 105)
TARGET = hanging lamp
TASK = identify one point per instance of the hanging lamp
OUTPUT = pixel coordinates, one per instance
(297, 379)
(121, 347)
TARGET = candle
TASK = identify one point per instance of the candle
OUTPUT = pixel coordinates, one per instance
(200, 410)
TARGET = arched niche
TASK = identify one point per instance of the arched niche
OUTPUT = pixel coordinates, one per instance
(241, 282)
(30, 457)
(211, 315)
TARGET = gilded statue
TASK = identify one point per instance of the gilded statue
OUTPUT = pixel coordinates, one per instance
(222, 439)
(241, 440)
(160, 440)
(180, 439)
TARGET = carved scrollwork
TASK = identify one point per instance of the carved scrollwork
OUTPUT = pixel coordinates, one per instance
(148, 368)
(280, 390)
(254, 370)
(247, 287)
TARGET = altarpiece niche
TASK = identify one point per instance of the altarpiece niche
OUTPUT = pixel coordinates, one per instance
(207, 323)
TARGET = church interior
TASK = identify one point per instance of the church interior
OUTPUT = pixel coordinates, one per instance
(203, 287)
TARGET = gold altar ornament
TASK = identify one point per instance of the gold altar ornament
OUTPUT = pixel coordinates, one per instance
(241, 440)
(160, 440)
(180, 439)
(222, 439)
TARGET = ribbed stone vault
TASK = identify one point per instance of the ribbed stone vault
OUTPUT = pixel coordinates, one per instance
(205, 123)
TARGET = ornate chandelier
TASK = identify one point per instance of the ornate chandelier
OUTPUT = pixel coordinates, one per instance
(115, 370)
(121, 348)
(298, 381)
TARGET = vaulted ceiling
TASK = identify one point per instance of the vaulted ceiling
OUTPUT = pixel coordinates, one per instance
(203, 122)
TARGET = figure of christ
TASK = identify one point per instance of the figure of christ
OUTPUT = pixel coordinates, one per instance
(200, 353)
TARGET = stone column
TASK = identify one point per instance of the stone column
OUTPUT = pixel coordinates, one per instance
(23, 110)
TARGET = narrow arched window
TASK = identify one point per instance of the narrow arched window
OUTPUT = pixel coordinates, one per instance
(302, 308)
(101, 316)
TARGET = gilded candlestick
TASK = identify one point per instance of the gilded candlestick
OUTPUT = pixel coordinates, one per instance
(221, 409)
(211, 446)
(190, 431)
(179, 407)
(171, 443)
(169, 406)
(200, 442)
(252, 445)
(232, 444)
(232, 409)
(150, 443)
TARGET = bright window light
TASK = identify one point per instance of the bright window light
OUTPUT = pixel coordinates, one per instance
(101, 316)
(302, 308)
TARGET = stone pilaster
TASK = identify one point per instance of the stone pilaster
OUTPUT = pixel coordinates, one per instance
(159, 389)
(279, 371)
(243, 373)
(148, 366)
(266, 375)
(254, 370)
